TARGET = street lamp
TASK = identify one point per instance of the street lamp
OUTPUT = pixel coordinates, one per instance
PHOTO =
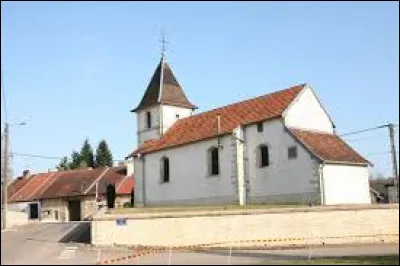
(5, 172)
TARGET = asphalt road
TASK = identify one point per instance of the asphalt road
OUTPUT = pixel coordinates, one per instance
(38, 244)
(35, 243)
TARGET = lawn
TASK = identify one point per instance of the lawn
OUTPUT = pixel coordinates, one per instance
(359, 260)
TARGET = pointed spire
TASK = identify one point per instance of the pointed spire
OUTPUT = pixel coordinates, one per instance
(164, 88)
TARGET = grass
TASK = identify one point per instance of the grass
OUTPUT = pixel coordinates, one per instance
(203, 208)
(358, 260)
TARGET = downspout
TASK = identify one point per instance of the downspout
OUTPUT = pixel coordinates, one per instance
(143, 181)
(321, 183)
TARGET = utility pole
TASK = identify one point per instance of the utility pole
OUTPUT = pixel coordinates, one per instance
(394, 162)
(5, 171)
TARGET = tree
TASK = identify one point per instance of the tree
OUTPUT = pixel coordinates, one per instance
(86, 155)
(63, 165)
(76, 160)
(103, 155)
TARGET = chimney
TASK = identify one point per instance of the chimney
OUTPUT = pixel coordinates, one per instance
(26, 174)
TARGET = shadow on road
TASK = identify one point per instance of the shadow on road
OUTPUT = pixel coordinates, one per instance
(80, 233)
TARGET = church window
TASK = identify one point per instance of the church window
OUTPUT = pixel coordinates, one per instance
(148, 119)
(165, 170)
(263, 156)
(292, 152)
(214, 161)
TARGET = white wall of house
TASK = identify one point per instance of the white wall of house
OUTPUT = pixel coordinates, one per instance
(307, 113)
(169, 115)
(190, 182)
(346, 184)
(284, 180)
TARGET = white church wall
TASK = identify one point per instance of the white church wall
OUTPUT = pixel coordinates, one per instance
(145, 133)
(190, 182)
(346, 184)
(307, 113)
(170, 113)
(284, 180)
(138, 188)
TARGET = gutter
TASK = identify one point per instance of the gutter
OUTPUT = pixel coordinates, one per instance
(321, 183)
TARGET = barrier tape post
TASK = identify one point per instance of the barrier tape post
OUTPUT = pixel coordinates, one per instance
(98, 256)
(170, 255)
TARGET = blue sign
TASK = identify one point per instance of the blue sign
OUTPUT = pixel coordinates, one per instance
(121, 221)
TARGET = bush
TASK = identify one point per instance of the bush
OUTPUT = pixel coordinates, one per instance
(127, 205)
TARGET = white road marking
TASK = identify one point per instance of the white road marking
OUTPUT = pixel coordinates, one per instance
(67, 253)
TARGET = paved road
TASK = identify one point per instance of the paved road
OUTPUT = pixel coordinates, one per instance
(246, 257)
(38, 244)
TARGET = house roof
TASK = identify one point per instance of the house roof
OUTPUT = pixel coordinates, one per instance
(16, 185)
(79, 182)
(328, 147)
(164, 88)
(126, 185)
(32, 186)
(204, 125)
(73, 183)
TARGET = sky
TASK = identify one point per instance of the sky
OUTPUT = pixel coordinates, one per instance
(74, 70)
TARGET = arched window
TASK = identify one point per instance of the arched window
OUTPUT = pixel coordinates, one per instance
(164, 170)
(263, 156)
(148, 119)
(213, 161)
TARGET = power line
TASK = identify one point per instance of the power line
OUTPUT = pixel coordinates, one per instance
(361, 131)
(46, 157)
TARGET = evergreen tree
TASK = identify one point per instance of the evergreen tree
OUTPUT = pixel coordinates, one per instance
(63, 165)
(86, 155)
(103, 155)
(76, 160)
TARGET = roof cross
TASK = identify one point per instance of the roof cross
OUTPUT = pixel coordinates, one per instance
(163, 42)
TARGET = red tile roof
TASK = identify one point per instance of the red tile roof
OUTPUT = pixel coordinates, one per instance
(77, 182)
(29, 190)
(204, 125)
(73, 183)
(16, 185)
(126, 185)
(112, 176)
(328, 147)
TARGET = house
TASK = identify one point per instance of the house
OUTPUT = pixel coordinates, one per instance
(69, 195)
(276, 148)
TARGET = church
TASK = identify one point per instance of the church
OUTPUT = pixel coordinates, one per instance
(278, 148)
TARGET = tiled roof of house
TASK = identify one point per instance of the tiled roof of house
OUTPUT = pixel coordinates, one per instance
(29, 190)
(126, 185)
(113, 176)
(328, 147)
(164, 88)
(204, 125)
(68, 183)
(16, 185)
(73, 183)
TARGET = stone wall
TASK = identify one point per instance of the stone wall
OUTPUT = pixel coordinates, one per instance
(316, 225)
